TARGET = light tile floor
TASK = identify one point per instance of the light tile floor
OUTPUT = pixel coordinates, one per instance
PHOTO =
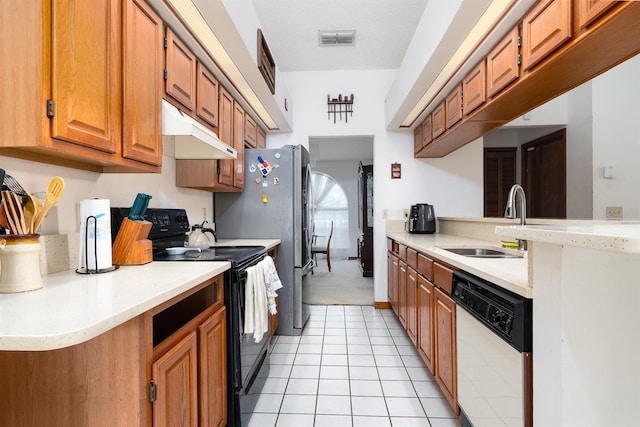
(353, 366)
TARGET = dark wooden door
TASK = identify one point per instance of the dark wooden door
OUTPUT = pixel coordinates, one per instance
(544, 176)
(499, 176)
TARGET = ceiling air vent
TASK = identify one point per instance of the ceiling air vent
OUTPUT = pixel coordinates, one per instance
(337, 37)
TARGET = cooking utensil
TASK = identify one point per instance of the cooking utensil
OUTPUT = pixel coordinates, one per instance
(13, 185)
(7, 204)
(17, 207)
(139, 207)
(31, 209)
(54, 192)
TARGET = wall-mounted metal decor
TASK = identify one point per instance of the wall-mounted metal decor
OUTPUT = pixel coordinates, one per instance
(338, 106)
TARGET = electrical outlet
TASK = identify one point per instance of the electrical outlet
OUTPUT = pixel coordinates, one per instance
(613, 212)
(385, 213)
(405, 213)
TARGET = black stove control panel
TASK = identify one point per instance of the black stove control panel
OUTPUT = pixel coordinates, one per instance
(507, 314)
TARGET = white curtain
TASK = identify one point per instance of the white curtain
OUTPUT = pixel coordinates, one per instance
(330, 204)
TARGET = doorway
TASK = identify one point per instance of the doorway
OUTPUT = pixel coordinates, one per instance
(544, 175)
(499, 177)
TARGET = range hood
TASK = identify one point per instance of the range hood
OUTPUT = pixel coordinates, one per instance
(190, 139)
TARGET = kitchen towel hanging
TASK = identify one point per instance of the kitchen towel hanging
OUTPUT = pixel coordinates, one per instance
(95, 235)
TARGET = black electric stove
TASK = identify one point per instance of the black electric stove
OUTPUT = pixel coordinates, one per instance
(168, 230)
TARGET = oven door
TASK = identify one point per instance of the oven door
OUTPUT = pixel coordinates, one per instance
(491, 376)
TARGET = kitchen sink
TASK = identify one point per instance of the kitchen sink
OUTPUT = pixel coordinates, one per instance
(483, 252)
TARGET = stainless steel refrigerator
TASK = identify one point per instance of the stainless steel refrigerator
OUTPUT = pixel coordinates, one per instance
(275, 203)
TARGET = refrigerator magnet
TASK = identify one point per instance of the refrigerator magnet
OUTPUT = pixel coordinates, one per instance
(276, 180)
(258, 180)
(265, 198)
(252, 168)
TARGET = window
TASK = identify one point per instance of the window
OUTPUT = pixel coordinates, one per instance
(330, 204)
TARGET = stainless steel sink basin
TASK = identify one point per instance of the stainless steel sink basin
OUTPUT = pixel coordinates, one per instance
(483, 252)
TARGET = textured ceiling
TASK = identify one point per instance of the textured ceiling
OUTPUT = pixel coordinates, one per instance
(384, 29)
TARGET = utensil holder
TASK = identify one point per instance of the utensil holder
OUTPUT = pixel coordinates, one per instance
(131, 246)
(20, 263)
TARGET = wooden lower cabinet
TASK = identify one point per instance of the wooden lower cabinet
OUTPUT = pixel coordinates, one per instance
(402, 293)
(212, 358)
(411, 298)
(393, 269)
(445, 346)
(425, 322)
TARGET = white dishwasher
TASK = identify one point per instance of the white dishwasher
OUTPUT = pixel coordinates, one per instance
(494, 340)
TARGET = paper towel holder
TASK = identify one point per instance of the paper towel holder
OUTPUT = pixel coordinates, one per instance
(86, 269)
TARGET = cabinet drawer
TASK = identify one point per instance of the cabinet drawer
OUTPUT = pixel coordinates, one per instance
(412, 258)
(544, 28)
(502, 63)
(393, 246)
(474, 88)
(442, 277)
(425, 266)
(402, 252)
(453, 107)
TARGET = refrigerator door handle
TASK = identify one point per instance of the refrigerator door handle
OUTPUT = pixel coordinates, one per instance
(308, 267)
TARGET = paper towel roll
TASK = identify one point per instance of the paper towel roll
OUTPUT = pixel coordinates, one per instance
(95, 240)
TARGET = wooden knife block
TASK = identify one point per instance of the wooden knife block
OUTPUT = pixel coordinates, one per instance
(132, 246)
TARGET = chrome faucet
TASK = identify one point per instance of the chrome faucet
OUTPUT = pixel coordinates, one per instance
(511, 211)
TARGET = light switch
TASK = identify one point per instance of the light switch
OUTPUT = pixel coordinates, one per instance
(609, 172)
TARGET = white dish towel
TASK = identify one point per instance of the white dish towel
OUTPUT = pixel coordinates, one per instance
(271, 281)
(256, 319)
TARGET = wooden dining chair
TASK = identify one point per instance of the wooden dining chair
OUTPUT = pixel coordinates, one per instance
(326, 249)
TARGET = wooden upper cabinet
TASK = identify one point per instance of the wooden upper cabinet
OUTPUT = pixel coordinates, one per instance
(180, 72)
(238, 144)
(503, 63)
(544, 28)
(417, 138)
(589, 10)
(438, 120)
(207, 95)
(250, 132)
(427, 135)
(143, 60)
(453, 106)
(225, 133)
(474, 88)
(261, 138)
(86, 74)
(176, 377)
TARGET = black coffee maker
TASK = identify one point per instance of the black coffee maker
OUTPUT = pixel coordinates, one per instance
(422, 219)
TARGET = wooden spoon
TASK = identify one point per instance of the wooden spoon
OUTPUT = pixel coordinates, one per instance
(54, 192)
(19, 213)
(7, 204)
(31, 209)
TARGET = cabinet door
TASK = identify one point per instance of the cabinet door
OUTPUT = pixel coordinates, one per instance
(392, 281)
(213, 370)
(250, 131)
(225, 133)
(445, 346)
(176, 378)
(453, 107)
(207, 96)
(502, 63)
(402, 293)
(86, 75)
(417, 139)
(412, 313)
(426, 131)
(261, 138)
(589, 10)
(181, 72)
(238, 144)
(438, 120)
(142, 75)
(474, 88)
(425, 322)
(544, 28)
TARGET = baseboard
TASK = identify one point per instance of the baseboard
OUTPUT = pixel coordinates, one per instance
(382, 305)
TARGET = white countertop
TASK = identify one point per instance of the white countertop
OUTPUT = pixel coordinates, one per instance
(615, 237)
(73, 308)
(509, 273)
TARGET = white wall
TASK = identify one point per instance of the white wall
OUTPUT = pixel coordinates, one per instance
(452, 184)
(616, 139)
(121, 189)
